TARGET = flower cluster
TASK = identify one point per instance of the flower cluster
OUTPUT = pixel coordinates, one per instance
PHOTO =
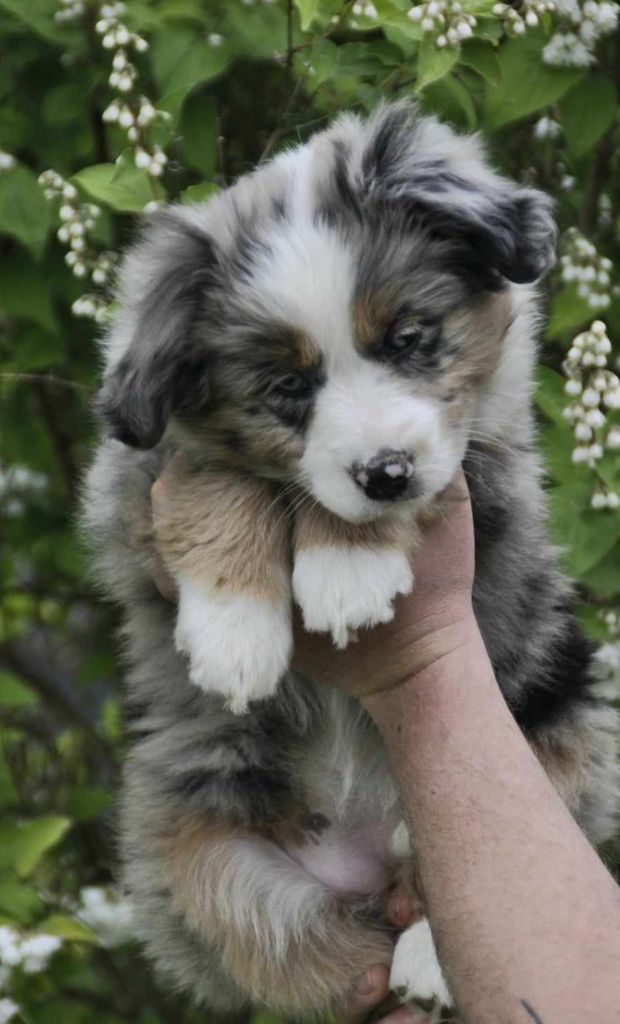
(108, 914)
(446, 18)
(581, 26)
(593, 388)
(77, 221)
(30, 953)
(70, 10)
(133, 113)
(582, 265)
(517, 21)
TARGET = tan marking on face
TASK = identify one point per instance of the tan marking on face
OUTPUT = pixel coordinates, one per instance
(293, 347)
(223, 528)
(315, 526)
(317, 968)
(374, 313)
(479, 329)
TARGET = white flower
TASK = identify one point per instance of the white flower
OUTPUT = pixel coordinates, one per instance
(573, 387)
(566, 49)
(583, 432)
(109, 915)
(613, 438)
(37, 950)
(8, 1010)
(9, 946)
(142, 159)
(590, 397)
(595, 419)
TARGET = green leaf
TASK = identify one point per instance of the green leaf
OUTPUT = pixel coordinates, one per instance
(527, 83)
(199, 193)
(482, 57)
(198, 134)
(122, 185)
(65, 104)
(587, 111)
(181, 58)
(26, 293)
(434, 63)
(24, 212)
(568, 312)
(603, 579)
(23, 845)
(551, 399)
(14, 693)
(35, 349)
(87, 802)
(67, 928)
(20, 902)
(38, 15)
(585, 535)
(324, 60)
(308, 10)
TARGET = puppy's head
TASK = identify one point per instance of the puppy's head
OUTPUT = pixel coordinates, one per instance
(332, 319)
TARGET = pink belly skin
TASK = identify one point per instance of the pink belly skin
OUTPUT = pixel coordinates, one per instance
(346, 862)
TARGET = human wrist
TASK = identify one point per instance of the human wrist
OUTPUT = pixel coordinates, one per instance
(439, 659)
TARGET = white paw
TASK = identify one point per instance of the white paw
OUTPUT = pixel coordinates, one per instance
(342, 589)
(416, 973)
(238, 645)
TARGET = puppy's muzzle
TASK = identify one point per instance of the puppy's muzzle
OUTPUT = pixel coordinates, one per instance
(386, 477)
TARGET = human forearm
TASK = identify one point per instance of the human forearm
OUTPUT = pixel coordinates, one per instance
(523, 911)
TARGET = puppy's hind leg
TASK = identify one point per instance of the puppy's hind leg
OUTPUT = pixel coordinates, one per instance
(223, 536)
(284, 939)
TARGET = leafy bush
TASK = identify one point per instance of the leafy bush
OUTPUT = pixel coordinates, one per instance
(108, 110)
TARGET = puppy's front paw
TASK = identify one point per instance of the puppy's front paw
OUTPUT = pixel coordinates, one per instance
(416, 974)
(343, 589)
(238, 645)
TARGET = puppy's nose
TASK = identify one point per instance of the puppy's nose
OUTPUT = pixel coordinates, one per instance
(386, 477)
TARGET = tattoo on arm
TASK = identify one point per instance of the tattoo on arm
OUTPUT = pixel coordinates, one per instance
(531, 1012)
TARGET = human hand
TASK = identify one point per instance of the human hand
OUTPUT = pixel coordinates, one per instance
(432, 621)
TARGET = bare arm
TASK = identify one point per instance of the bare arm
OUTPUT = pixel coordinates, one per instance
(526, 918)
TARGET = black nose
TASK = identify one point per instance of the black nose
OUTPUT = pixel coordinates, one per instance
(386, 477)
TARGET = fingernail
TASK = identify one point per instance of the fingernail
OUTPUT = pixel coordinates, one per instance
(401, 908)
(366, 984)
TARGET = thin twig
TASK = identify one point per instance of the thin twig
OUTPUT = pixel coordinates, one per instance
(47, 378)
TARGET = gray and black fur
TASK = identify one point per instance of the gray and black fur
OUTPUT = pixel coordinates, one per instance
(191, 361)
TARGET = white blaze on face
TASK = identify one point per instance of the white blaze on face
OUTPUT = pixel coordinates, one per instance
(307, 277)
(364, 409)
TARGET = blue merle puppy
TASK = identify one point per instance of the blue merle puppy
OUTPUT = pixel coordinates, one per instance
(314, 352)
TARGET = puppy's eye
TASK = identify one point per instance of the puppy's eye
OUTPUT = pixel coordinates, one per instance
(399, 342)
(292, 385)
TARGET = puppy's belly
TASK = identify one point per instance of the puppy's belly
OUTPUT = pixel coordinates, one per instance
(347, 862)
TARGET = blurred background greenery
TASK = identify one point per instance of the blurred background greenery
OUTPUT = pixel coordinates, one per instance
(107, 110)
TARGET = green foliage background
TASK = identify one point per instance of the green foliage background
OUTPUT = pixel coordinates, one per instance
(279, 72)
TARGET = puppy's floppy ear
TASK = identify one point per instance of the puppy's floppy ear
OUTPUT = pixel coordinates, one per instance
(441, 180)
(164, 285)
